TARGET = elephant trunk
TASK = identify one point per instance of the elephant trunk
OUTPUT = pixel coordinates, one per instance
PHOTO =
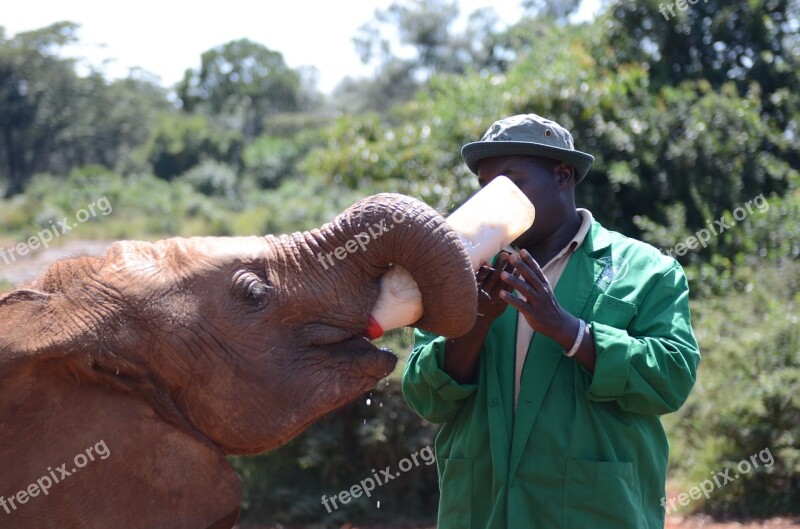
(392, 231)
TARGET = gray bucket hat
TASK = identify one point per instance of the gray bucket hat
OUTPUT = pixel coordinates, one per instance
(529, 135)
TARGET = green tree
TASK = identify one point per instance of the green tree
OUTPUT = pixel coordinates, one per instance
(427, 28)
(429, 44)
(37, 95)
(52, 120)
(392, 82)
(691, 146)
(741, 41)
(269, 160)
(424, 25)
(557, 9)
(242, 82)
(114, 119)
(180, 141)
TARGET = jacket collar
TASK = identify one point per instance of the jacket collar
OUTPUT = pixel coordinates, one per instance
(597, 241)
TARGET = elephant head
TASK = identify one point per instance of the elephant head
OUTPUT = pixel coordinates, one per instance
(126, 378)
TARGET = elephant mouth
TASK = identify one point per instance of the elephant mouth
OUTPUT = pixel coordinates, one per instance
(363, 358)
(348, 354)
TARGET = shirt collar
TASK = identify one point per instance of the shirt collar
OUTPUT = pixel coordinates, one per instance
(586, 223)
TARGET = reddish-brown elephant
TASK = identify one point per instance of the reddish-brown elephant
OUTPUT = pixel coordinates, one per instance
(125, 379)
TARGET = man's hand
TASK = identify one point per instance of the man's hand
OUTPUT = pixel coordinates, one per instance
(542, 310)
(490, 285)
(538, 303)
(461, 354)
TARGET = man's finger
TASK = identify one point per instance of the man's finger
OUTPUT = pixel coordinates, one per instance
(502, 261)
(533, 265)
(494, 272)
(527, 273)
(482, 273)
(499, 286)
(518, 303)
(516, 282)
(507, 266)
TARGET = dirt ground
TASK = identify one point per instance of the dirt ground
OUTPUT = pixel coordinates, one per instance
(20, 269)
(673, 522)
(698, 522)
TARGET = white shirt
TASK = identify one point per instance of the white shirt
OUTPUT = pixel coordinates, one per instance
(552, 270)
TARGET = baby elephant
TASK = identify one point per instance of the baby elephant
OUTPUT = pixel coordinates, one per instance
(125, 379)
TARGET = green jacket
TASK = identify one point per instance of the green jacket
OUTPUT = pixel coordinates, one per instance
(585, 451)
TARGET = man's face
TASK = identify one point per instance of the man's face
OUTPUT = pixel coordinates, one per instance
(536, 179)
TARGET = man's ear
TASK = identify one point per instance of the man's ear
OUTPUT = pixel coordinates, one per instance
(565, 173)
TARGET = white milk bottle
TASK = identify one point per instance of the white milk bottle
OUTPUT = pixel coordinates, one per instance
(486, 223)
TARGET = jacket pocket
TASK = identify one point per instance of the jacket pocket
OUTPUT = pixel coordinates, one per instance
(601, 495)
(455, 502)
(614, 312)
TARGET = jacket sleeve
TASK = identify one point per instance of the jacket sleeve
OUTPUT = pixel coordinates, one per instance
(428, 390)
(650, 367)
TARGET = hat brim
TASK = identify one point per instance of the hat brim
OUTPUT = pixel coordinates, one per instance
(474, 152)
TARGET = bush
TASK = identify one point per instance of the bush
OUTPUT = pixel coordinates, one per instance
(747, 398)
(212, 179)
(339, 451)
(729, 261)
(182, 141)
(269, 160)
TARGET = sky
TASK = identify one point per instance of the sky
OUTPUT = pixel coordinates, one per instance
(165, 37)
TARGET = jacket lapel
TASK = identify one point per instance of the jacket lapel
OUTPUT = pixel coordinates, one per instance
(500, 376)
(573, 291)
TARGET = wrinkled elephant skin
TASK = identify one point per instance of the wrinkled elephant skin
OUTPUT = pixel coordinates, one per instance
(125, 379)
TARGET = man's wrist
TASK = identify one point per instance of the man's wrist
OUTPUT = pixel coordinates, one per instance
(568, 332)
(482, 324)
(578, 339)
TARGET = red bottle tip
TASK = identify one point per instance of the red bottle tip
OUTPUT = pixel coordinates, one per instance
(374, 329)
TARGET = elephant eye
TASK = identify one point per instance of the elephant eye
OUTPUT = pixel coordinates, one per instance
(252, 288)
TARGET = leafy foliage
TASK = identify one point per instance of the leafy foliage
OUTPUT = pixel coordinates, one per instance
(747, 397)
(212, 179)
(347, 446)
(243, 81)
(429, 43)
(180, 142)
(52, 120)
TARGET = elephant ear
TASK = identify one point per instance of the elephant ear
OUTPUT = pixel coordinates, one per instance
(81, 449)
(23, 294)
(19, 328)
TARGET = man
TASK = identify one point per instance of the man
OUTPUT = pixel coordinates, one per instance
(550, 405)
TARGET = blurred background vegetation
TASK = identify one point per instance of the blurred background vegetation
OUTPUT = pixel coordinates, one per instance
(689, 117)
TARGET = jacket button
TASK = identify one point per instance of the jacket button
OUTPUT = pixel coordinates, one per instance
(492, 402)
